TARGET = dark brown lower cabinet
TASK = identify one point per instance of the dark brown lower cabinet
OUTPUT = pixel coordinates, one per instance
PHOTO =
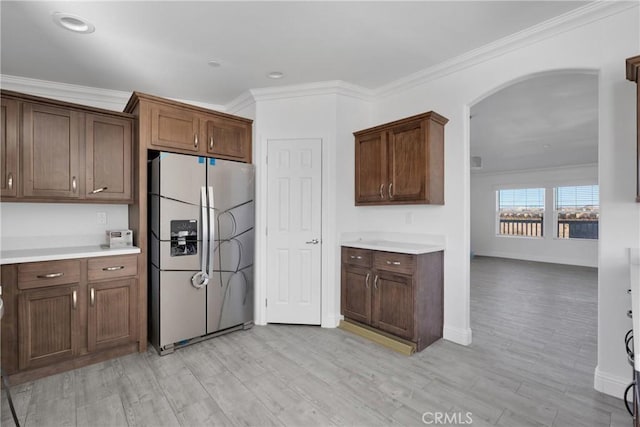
(398, 294)
(48, 325)
(112, 314)
(392, 305)
(64, 314)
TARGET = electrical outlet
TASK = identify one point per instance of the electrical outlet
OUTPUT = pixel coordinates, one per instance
(101, 218)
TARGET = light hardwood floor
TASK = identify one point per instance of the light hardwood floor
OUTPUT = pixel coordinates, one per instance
(531, 364)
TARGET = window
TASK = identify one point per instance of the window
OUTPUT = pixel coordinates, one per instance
(520, 212)
(577, 211)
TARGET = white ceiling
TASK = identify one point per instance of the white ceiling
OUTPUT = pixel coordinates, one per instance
(545, 121)
(163, 47)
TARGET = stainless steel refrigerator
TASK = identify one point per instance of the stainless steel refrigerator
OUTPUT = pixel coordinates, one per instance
(201, 222)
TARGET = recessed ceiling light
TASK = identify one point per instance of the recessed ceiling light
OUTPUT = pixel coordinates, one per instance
(275, 75)
(214, 63)
(74, 23)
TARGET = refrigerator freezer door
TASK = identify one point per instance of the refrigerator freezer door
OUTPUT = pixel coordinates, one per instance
(182, 308)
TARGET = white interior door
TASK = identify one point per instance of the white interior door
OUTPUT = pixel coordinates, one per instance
(294, 225)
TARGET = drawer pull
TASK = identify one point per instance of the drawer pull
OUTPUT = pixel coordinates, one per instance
(366, 281)
(393, 262)
(115, 268)
(211, 142)
(92, 297)
(10, 181)
(50, 275)
(375, 282)
(195, 140)
(74, 184)
(99, 190)
(355, 256)
(74, 299)
(382, 191)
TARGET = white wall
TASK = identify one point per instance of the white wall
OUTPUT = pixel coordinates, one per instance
(55, 225)
(484, 238)
(601, 45)
(331, 118)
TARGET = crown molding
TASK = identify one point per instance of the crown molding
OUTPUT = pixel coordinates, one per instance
(589, 13)
(103, 98)
(333, 87)
(239, 103)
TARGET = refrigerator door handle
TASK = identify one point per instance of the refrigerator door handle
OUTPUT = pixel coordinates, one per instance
(212, 230)
(201, 278)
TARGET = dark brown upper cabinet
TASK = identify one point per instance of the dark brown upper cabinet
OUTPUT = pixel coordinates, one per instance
(9, 148)
(109, 166)
(401, 162)
(54, 151)
(182, 128)
(633, 74)
(50, 152)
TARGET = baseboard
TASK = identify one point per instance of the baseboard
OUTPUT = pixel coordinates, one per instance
(457, 335)
(330, 321)
(536, 258)
(610, 384)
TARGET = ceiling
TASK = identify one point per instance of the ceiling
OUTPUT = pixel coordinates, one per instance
(164, 47)
(546, 121)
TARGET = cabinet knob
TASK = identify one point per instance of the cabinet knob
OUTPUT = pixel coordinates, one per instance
(10, 181)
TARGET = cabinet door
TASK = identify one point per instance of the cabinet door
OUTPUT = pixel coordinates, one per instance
(407, 163)
(48, 325)
(9, 148)
(393, 304)
(356, 293)
(50, 146)
(228, 139)
(112, 314)
(174, 128)
(108, 158)
(371, 168)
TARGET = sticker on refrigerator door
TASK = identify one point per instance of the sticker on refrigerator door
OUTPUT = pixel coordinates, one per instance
(212, 162)
(201, 160)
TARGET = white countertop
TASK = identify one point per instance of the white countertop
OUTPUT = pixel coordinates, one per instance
(52, 254)
(405, 243)
(391, 246)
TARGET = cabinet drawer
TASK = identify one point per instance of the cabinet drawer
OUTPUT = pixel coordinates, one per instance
(391, 261)
(112, 267)
(48, 273)
(355, 256)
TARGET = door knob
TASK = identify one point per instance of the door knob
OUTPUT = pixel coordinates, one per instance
(313, 242)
